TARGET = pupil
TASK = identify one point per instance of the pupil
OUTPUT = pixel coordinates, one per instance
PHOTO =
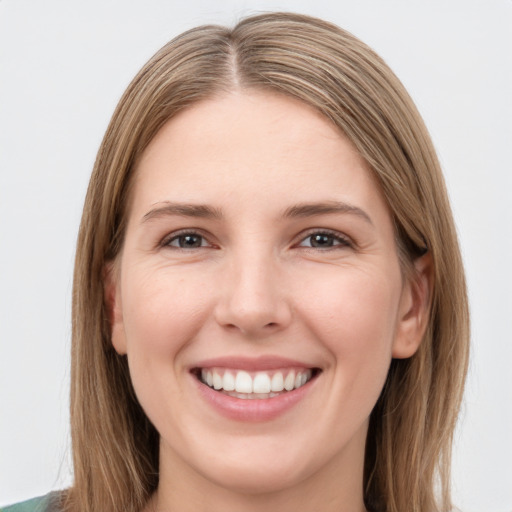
(189, 241)
(321, 241)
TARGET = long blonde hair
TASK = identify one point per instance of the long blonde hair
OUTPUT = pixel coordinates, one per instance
(407, 459)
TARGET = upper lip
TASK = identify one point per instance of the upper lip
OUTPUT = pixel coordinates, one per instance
(252, 364)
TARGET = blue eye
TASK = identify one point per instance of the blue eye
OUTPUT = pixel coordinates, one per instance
(187, 241)
(322, 240)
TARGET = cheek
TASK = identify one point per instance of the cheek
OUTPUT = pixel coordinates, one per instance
(355, 315)
(162, 310)
(162, 314)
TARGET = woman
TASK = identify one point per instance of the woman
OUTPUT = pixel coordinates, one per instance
(269, 302)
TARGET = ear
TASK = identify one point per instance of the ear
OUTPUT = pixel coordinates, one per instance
(114, 307)
(414, 312)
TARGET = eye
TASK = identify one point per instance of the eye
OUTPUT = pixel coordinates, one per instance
(324, 240)
(186, 240)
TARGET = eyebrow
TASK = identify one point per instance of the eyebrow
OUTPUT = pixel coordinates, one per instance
(325, 208)
(183, 210)
(299, 210)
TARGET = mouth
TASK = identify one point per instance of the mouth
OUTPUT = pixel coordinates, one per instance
(255, 385)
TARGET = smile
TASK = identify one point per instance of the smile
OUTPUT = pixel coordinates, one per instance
(255, 385)
(254, 389)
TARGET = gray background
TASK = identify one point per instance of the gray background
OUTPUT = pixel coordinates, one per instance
(63, 67)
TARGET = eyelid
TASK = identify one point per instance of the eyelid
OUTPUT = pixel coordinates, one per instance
(165, 242)
(345, 240)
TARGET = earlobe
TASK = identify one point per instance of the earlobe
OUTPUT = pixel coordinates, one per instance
(414, 309)
(113, 305)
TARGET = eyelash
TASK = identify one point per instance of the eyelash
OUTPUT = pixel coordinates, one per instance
(339, 241)
(342, 240)
(166, 242)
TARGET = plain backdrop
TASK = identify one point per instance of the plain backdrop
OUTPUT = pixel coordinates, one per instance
(63, 66)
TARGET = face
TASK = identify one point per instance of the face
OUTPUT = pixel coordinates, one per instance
(258, 295)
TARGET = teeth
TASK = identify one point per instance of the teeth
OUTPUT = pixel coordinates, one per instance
(242, 384)
(261, 383)
(252, 396)
(277, 383)
(289, 382)
(217, 380)
(228, 382)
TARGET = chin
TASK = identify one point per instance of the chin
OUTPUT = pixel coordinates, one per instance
(259, 464)
(248, 478)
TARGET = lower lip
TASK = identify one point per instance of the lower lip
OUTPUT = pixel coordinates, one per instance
(253, 410)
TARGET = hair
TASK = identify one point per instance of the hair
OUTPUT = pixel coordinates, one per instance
(408, 451)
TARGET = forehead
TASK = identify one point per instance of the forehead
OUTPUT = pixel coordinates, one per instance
(252, 148)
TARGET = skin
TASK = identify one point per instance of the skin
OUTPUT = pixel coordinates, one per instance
(256, 286)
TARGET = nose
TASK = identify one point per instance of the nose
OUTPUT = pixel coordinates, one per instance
(253, 298)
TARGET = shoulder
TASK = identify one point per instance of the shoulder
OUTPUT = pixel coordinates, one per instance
(48, 503)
